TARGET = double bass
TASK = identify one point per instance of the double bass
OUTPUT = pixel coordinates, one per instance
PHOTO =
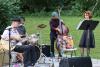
(64, 40)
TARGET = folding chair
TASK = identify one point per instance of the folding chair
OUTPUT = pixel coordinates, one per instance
(70, 46)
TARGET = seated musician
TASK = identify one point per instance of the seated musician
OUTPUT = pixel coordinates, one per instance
(27, 50)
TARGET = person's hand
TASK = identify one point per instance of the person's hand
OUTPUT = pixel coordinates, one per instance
(17, 37)
(65, 37)
(57, 29)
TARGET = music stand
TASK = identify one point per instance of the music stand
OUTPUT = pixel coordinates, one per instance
(88, 25)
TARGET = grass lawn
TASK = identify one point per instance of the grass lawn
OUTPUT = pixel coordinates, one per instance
(72, 22)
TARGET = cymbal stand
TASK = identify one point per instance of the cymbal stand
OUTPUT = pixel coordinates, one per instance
(40, 41)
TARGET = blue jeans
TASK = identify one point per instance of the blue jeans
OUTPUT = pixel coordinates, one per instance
(29, 54)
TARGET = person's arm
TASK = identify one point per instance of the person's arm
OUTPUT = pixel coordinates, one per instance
(51, 26)
(5, 36)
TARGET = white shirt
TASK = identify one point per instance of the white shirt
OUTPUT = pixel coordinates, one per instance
(5, 35)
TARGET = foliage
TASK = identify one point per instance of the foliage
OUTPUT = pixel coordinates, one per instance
(8, 8)
(92, 5)
(46, 5)
(97, 9)
(34, 5)
(72, 7)
(86, 4)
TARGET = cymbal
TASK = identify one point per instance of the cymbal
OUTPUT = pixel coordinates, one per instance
(41, 26)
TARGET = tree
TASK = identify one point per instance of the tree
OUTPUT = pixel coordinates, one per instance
(86, 4)
(8, 8)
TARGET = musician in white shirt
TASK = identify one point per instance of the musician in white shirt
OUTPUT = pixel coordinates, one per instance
(28, 50)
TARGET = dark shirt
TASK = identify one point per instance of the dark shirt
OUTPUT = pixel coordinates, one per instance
(21, 30)
(54, 24)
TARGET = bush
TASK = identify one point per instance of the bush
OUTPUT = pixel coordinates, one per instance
(8, 8)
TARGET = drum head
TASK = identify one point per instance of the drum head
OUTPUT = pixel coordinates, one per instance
(37, 50)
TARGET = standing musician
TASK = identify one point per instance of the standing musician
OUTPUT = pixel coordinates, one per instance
(84, 39)
(55, 30)
(27, 50)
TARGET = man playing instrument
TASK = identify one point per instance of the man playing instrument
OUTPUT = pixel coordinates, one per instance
(11, 34)
(56, 25)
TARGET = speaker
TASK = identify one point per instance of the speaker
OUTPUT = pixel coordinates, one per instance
(46, 50)
(76, 62)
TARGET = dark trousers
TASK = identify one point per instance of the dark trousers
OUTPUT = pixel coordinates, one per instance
(53, 37)
(29, 54)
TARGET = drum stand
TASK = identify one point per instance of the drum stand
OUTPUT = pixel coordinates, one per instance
(42, 56)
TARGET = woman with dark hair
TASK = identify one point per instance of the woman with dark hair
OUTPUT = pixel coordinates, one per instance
(87, 40)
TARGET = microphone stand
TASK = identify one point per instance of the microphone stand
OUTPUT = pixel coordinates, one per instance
(9, 46)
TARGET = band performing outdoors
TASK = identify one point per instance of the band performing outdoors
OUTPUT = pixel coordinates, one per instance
(26, 49)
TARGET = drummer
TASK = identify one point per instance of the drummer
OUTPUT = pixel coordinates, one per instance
(28, 50)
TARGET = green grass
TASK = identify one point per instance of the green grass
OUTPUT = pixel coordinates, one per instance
(72, 22)
(32, 22)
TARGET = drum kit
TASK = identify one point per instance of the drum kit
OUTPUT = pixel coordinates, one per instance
(42, 57)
